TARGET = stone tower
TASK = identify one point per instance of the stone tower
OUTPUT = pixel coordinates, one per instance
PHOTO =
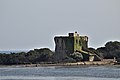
(66, 45)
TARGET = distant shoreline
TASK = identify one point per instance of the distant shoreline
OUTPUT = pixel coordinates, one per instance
(87, 63)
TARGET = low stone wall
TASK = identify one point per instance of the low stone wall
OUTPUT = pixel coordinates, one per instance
(91, 63)
(73, 64)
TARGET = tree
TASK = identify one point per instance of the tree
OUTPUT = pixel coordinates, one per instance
(76, 56)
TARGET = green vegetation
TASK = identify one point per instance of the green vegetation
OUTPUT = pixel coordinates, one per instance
(45, 55)
(76, 56)
(33, 56)
(111, 50)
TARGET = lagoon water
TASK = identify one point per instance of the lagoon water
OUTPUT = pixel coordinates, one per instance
(60, 73)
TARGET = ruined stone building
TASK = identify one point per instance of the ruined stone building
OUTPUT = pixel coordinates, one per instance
(74, 43)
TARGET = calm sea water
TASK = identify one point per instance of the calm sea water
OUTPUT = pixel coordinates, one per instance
(60, 73)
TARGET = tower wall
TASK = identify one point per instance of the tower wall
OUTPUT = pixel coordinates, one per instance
(66, 45)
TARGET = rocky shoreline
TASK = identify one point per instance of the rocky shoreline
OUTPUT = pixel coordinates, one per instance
(85, 63)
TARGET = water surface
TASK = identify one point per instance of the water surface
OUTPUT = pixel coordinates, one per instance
(60, 73)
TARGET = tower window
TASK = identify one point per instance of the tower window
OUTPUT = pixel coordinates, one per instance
(76, 41)
(79, 42)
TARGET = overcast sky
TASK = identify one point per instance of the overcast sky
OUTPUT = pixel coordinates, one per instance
(28, 24)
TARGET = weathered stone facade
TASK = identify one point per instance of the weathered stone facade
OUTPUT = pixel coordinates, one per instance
(65, 45)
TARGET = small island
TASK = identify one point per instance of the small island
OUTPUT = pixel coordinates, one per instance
(69, 50)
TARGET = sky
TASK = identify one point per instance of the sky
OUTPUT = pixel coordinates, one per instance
(29, 24)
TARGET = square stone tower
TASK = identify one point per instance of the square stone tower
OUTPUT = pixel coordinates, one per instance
(65, 45)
